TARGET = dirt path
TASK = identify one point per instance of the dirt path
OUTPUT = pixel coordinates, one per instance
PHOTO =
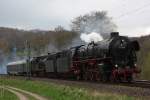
(18, 94)
(22, 94)
(36, 96)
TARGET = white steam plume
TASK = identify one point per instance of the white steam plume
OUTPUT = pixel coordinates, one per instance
(93, 36)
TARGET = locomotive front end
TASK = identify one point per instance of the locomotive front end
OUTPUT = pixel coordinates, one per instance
(123, 52)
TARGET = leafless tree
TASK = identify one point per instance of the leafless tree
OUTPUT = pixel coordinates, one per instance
(94, 22)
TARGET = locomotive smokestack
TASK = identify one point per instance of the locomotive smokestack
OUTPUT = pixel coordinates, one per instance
(114, 34)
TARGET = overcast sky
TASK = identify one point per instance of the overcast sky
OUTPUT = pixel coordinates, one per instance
(131, 16)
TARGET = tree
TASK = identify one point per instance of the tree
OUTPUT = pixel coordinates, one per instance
(63, 39)
(94, 22)
(59, 29)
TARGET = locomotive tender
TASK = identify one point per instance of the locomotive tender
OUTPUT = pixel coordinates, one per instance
(112, 59)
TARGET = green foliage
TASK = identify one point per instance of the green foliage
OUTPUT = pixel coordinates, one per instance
(146, 68)
(144, 57)
(61, 92)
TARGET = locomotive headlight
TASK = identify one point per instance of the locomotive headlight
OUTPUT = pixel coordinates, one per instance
(135, 65)
(101, 64)
(116, 65)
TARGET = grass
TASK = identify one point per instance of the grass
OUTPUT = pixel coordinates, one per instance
(61, 92)
(6, 95)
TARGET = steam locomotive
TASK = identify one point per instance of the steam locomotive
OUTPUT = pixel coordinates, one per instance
(112, 59)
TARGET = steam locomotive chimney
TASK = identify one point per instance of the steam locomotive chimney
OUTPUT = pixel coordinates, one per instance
(114, 34)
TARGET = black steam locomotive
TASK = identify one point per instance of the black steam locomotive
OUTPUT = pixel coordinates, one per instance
(112, 59)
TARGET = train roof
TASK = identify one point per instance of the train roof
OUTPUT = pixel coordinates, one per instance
(41, 56)
(17, 62)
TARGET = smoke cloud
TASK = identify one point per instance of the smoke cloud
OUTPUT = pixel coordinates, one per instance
(98, 22)
(5, 59)
(93, 36)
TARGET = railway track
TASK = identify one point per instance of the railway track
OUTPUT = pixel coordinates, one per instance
(135, 83)
(137, 88)
(142, 83)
